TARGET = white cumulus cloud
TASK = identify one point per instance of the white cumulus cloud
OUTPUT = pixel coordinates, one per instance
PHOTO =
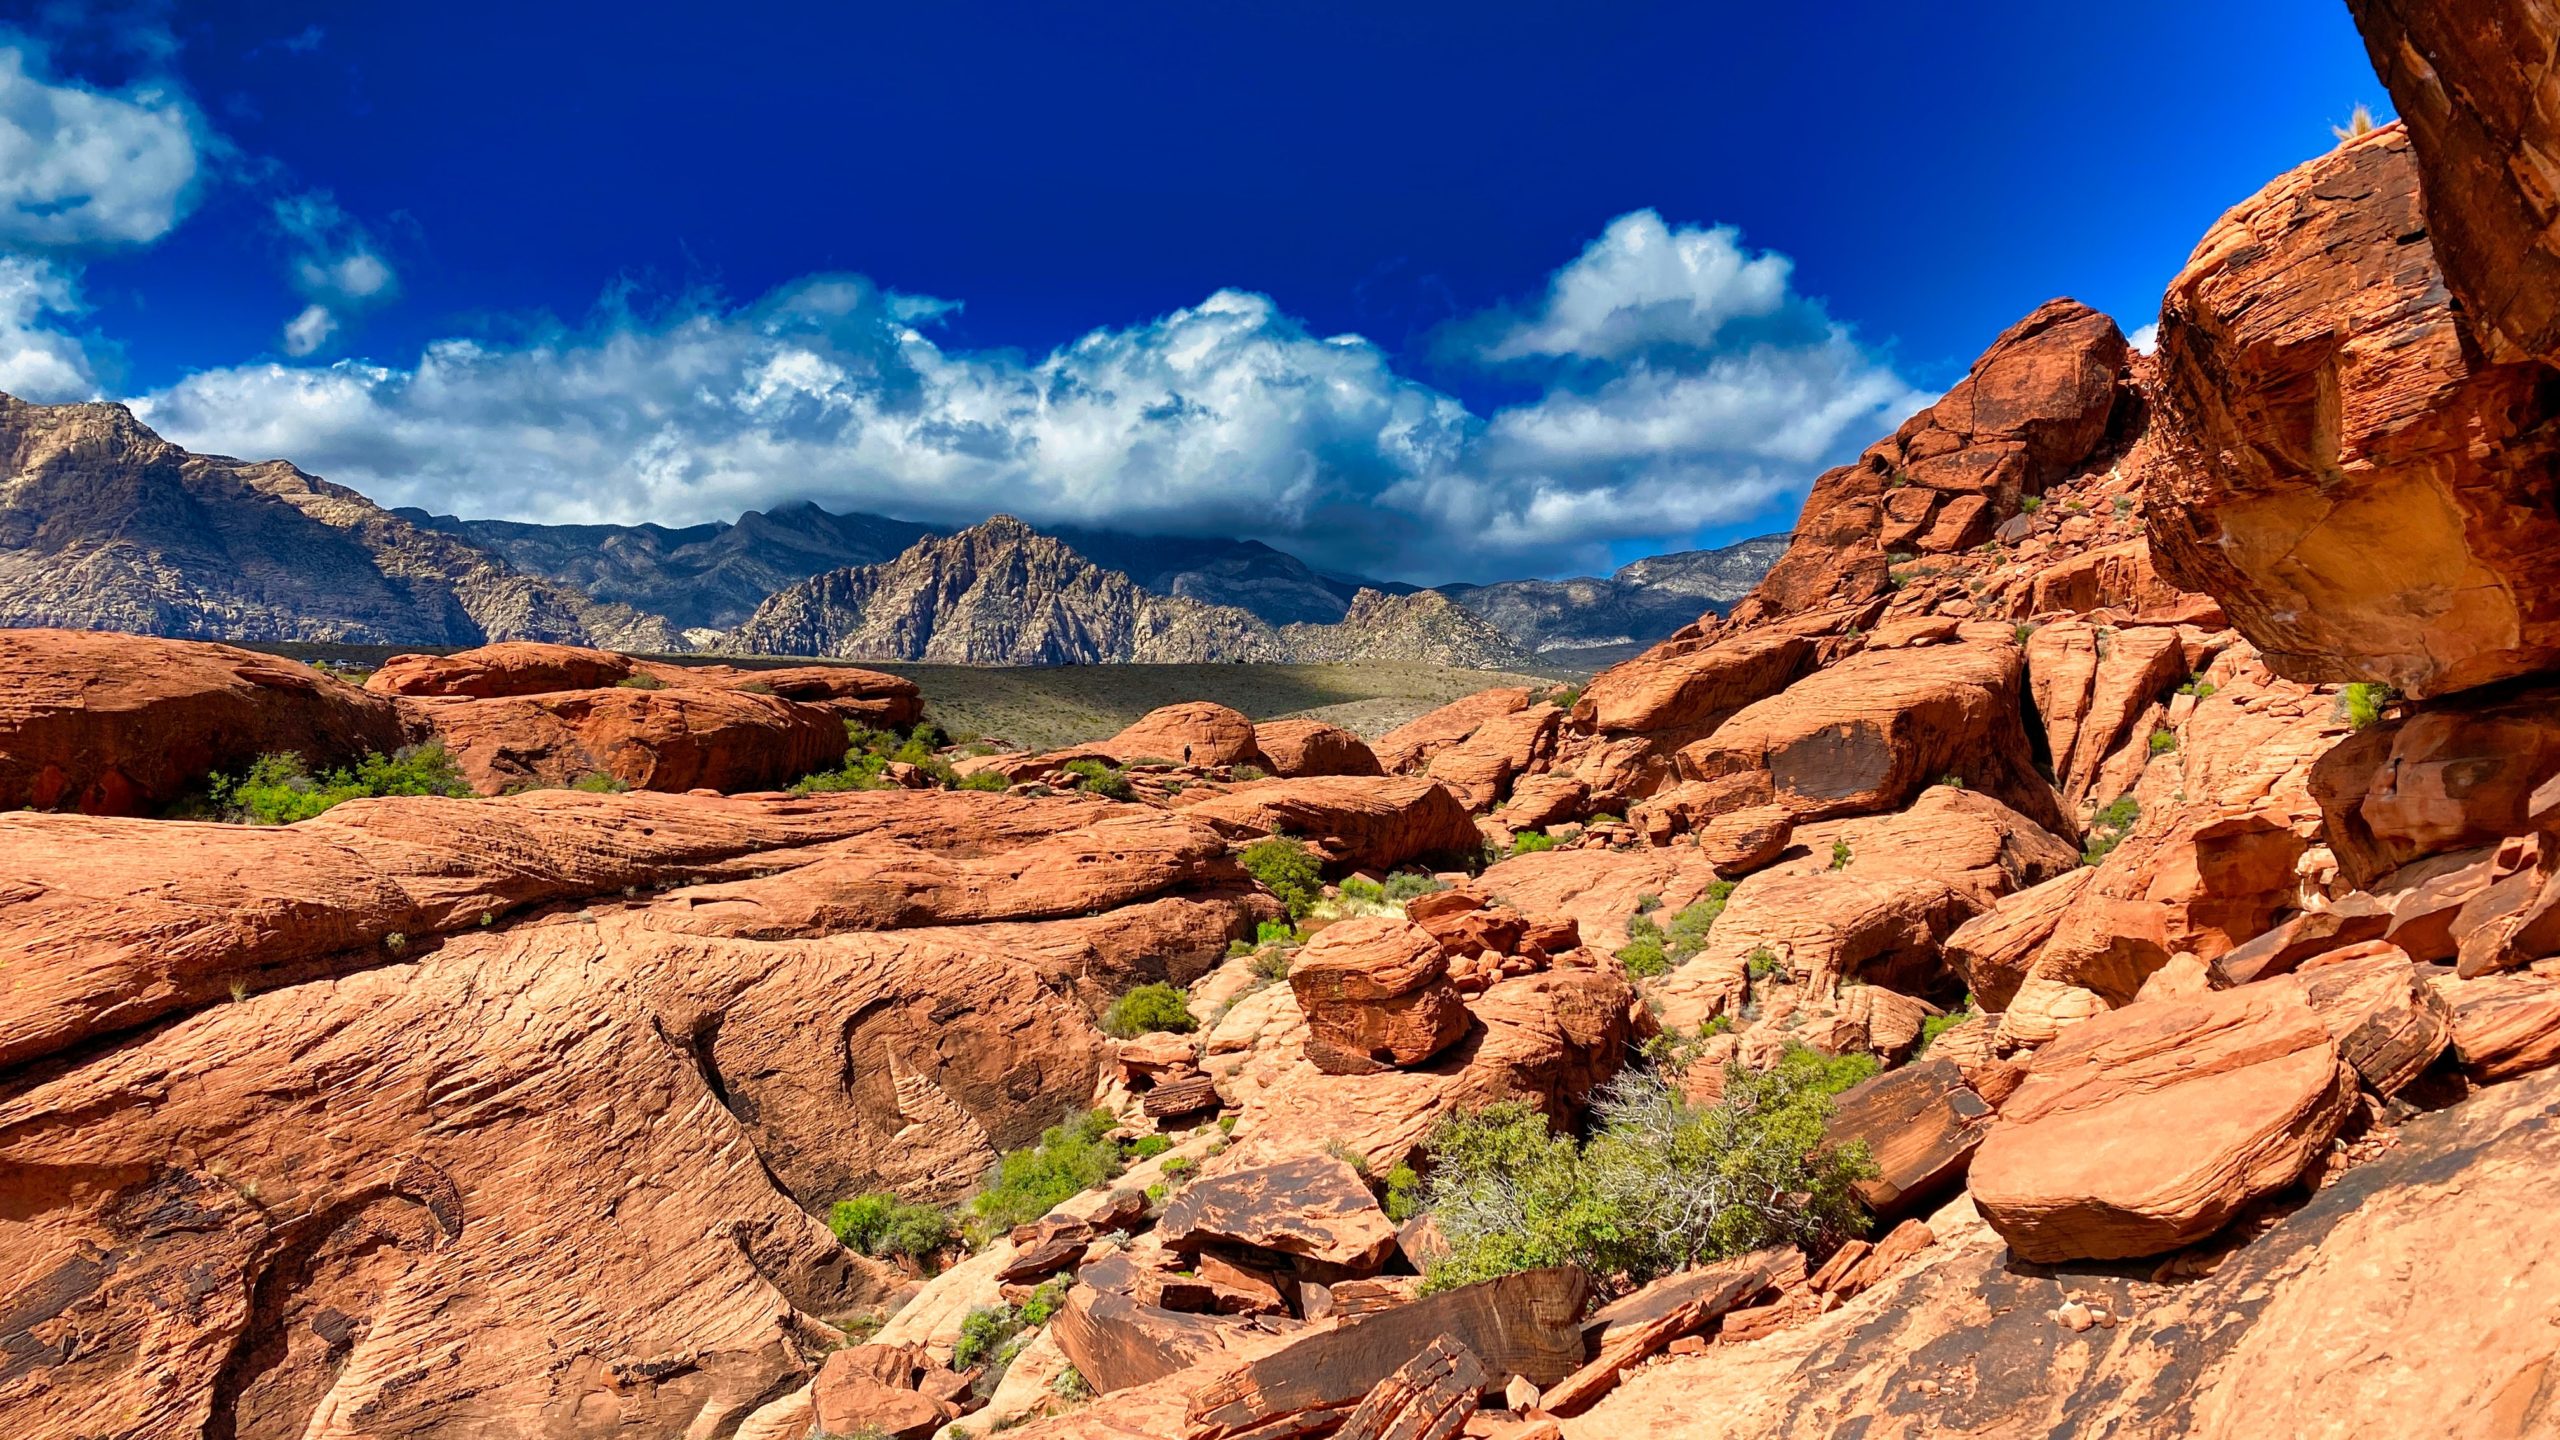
(38, 360)
(82, 167)
(1707, 392)
(336, 267)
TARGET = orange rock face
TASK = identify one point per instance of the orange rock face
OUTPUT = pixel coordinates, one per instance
(1376, 993)
(1408, 746)
(2361, 491)
(122, 724)
(1480, 768)
(2147, 1128)
(1356, 821)
(1292, 748)
(2451, 774)
(2037, 403)
(2481, 121)
(1193, 733)
(515, 667)
(672, 739)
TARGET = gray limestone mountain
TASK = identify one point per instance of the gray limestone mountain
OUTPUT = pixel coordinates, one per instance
(1592, 619)
(106, 526)
(706, 577)
(1002, 593)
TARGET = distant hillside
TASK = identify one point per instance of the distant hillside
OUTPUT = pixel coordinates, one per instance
(1002, 593)
(1640, 604)
(701, 576)
(106, 526)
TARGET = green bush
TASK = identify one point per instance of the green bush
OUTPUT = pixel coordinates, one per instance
(2365, 700)
(1148, 1147)
(882, 1224)
(1761, 963)
(985, 1333)
(1411, 885)
(1840, 855)
(2197, 686)
(1275, 932)
(1404, 1194)
(1931, 1027)
(2030, 504)
(2023, 631)
(1360, 890)
(987, 780)
(599, 782)
(1644, 955)
(642, 681)
(1148, 1010)
(2163, 741)
(1653, 948)
(1097, 778)
(1070, 1159)
(869, 753)
(1271, 964)
(2108, 828)
(1530, 842)
(1660, 1184)
(278, 789)
(1288, 870)
(1248, 772)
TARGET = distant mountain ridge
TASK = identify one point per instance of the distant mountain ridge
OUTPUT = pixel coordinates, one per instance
(1003, 593)
(105, 525)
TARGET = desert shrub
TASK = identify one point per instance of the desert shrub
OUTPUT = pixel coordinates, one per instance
(2365, 700)
(1150, 1009)
(1069, 1159)
(1094, 777)
(1687, 933)
(1952, 782)
(1933, 1026)
(1404, 1194)
(1840, 855)
(1761, 963)
(869, 753)
(2124, 504)
(1071, 1386)
(1720, 1025)
(1411, 885)
(278, 789)
(1361, 890)
(2163, 741)
(882, 1224)
(642, 681)
(2030, 504)
(1148, 1147)
(1644, 955)
(599, 782)
(2108, 828)
(1660, 1184)
(1271, 964)
(1248, 772)
(1530, 842)
(987, 780)
(2023, 631)
(1288, 870)
(1275, 932)
(984, 1333)
(2197, 686)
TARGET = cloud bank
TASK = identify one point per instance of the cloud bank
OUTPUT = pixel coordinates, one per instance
(1683, 385)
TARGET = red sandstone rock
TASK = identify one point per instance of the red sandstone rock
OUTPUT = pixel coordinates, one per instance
(2148, 1128)
(2388, 1024)
(1193, 733)
(1355, 821)
(1741, 841)
(1375, 992)
(2356, 484)
(672, 739)
(512, 667)
(123, 725)
(1409, 746)
(1481, 767)
(2449, 775)
(1682, 683)
(1920, 1124)
(1292, 748)
(849, 1402)
(1314, 1208)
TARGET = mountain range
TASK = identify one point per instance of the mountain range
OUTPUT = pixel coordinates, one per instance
(105, 525)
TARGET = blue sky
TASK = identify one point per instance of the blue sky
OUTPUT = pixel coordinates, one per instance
(1432, 291)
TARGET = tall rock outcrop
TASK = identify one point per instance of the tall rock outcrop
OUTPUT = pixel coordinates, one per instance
(2367, 495)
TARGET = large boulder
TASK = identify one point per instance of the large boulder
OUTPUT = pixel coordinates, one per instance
(1193, 733)
(1480, 768)
(2150, 1127)
(668, 738)
(1352, 820)
(2471, 82)
(1313, 1208)
(1869, 733)
(1376, 994)
(1410, 746)
(1690, 682)
(122, 724)
(510, 667)
(1291, 748)
(2452, 774)
(2364, 491)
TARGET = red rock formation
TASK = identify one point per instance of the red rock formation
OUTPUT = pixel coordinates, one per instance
(123, 724)
(1409, 746)
(514, 667)
(1376, 993)
(2450, 775)
(2148, 1128)
(671, 739)
(1355, 821)
(2471, 84)
(1480, 768)
(2036, 404)
(2358, 487)
(1292, 748)
(1193, 733)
